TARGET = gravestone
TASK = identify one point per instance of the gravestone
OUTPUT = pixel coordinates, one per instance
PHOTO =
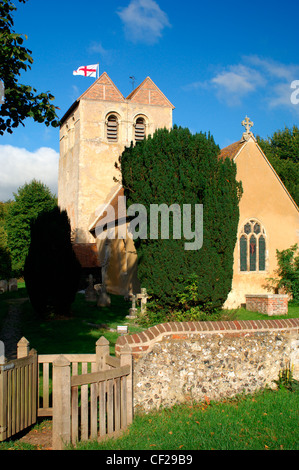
(13, 285)
(133, 309)
(90, 292)
(3, 286)
(104, 299)
(142, 297)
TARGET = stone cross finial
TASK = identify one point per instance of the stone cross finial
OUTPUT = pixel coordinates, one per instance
(247, 124)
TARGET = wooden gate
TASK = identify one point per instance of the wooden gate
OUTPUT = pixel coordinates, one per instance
(18, 393)
(95, 404)
(89, 396)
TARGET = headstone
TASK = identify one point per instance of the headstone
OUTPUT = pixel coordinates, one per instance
(90, 292)
(104, 299)
(143, 300)
(133, 309)
(13, 285)
(3, 286)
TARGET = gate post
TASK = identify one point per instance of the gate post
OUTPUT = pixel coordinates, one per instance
(22, 348)
(102, 351)
(127, 359)
(61, 403)
(3, 387)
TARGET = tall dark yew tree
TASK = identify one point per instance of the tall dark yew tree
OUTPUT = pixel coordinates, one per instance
(176, 167)
(52, 271)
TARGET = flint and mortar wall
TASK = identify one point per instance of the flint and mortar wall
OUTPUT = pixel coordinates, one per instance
(178, 362)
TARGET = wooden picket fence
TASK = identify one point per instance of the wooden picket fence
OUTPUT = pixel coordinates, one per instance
(18, 393)
(88, 396)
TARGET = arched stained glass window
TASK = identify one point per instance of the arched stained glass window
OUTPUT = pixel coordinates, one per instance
(243, 253)
(252, 257)
(252, 246)
(262, 253)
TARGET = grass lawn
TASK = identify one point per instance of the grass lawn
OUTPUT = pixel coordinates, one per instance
(79, 333)
(267, 420)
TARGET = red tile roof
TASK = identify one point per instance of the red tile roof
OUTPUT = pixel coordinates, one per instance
(231, 150)
(87, 254)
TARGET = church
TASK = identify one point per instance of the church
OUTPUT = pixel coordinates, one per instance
(93, 134)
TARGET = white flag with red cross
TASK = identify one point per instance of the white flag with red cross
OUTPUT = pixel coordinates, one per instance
(87, 70)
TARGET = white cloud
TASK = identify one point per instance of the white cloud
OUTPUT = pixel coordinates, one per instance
(254, 74)
(19, 166)
(273, 68)
(236, 82)
(143, 21)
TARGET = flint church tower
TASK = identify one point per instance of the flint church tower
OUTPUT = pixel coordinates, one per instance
(93, 134)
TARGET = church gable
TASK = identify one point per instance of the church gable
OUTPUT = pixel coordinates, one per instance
(252, 163)
(103, 89)
(254, 169)
(148, 93)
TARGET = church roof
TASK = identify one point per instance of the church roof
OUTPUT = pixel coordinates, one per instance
(104, 89)
(148, 93)
(231, 150)
(87, 254)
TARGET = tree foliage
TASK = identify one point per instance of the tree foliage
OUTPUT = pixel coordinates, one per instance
(5, 258)
(30, 200)
(52, 271)
(176, 167)
(287, 272)
(282, 150)
(21, 101)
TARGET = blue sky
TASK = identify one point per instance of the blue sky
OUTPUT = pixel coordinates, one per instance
(215, 61)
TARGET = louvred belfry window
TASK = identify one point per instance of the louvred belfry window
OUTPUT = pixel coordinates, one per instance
(112, 128)
(252, 246)
(139, 129)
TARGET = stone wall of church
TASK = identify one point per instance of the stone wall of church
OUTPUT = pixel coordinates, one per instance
(178, 362)
(265, 200)
(87, 159)
(68, 175)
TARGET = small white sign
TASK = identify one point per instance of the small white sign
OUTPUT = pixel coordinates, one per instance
(122, 329)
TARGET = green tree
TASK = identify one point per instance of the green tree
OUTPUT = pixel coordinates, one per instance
(282, 150)
(4, 207)
(287, 272)
(30, 200)
(176, 167)
(5, 263)
(5, 259)
(52, 272)
(21, 101)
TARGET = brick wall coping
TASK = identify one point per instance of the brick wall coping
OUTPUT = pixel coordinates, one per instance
(143, 341)
(267, 296)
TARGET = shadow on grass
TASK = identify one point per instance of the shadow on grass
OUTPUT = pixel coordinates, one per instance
(77, 333)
